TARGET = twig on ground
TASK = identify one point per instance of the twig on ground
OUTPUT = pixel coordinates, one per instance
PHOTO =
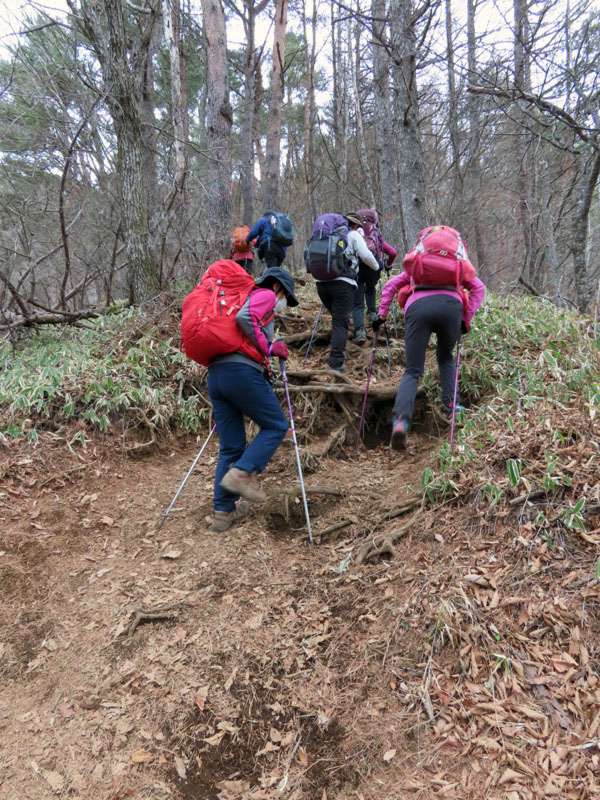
(62, 475)
(152, 615)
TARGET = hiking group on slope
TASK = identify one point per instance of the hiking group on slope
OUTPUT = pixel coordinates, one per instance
(228, 326)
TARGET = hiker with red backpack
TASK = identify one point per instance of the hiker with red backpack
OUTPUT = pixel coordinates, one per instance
(242, 251)
(227, 325)
(274, 233)
(369, 272)
(440, 292)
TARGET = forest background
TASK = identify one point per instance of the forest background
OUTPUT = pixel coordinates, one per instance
(135, 135)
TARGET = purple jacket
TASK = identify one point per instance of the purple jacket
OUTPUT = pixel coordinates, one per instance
(475, 288)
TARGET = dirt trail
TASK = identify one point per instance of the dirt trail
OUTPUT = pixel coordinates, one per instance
(253, 676)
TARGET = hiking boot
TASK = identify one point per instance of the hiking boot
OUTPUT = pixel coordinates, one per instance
(288, 438)
(448, 408)
(223, 520)
(360, 336)
(341, 368)
(399, 431)
(243, 483)
(373, 315)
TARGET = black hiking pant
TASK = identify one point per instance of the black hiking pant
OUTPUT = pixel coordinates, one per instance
(337, 297)
(272, 254)
(439, 314)
(367, 290)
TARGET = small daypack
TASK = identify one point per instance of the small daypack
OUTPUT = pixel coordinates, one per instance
(208, 319)
(370, 227)
(439, 259)
(324, 253)
(238, 240)
(282, 229)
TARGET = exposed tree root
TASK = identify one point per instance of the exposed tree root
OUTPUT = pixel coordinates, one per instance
(311, 458)
(383, 543)
(379, 393)
(150, 426)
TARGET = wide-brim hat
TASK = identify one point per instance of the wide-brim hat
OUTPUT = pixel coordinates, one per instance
(354, 218)
(268, 278)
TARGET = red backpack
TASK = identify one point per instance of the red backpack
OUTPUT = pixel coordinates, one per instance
(439, 259)
(238, 240)
(208, 319)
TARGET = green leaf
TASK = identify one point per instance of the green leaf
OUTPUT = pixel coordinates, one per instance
(513, 471)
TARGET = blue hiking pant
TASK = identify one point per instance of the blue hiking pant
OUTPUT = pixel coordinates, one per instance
(439, 314)
(237, 390)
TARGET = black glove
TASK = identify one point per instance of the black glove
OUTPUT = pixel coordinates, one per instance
(377, 323)
(464, 328)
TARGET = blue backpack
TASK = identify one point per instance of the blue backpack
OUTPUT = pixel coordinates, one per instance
(282, 229)
(324, 253)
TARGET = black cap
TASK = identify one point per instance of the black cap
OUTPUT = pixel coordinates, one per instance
(268, 278)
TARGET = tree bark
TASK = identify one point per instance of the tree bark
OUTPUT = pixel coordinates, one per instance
(456, 208)
(172, 28)
(388, 198)
(273, 148)
(523, 143)
(310, 114)
(406, 121)
(588, 178)
(247, 143)
(218, 130)
(362, 146)
(473, 173)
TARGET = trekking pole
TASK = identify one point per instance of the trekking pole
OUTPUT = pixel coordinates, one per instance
(312, 336)
(289, 405)
(389, 351)
(185, 480)
(364, 403)
(455, 391)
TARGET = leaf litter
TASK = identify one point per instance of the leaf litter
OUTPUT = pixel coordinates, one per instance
(463, 664)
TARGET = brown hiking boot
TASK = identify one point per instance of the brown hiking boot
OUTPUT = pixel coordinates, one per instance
(243, 483)
(223, 520)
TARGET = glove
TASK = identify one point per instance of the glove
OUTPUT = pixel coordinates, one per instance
(377, 323)
(279, 349)
(464, 328)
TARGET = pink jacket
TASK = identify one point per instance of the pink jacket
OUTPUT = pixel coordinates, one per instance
(475, 288)
(255, 318)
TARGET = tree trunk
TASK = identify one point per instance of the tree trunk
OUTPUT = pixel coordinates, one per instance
(588, 178)
(171, 27)
(256, 134)
(456, 207)
(105, 28)
(388, 198)
(528, 205)
(273, 149)
(247, 143)
(310, 115)
(362, 146)
(406, 122)
(218, 131)
(473, 173)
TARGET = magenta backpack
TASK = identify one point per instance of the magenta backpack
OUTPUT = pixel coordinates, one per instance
(373, 236)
